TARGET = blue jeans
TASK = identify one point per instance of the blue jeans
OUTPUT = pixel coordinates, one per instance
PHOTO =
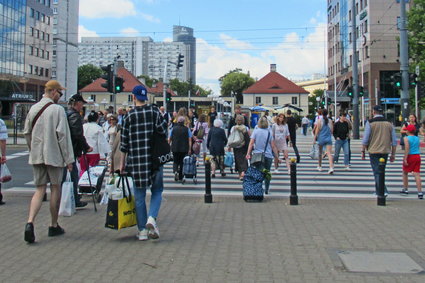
(374, 162)
(305, 129)
(267, 165)
(345, 148)
(156, 199)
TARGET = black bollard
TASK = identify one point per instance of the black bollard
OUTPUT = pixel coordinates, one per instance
(208, 195)
(381, 184)
(293, 198)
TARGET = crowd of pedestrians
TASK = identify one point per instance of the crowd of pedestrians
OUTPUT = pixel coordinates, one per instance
(63, 141)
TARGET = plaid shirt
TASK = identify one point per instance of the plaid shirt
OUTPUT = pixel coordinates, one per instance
(136, 135)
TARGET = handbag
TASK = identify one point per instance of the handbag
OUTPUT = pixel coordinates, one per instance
(229, 159)
(196, 146)
(260, 156)
(160, 149)
(236, 139)
(5, 175)
(121, 213)
(67, 204)
(314, 151)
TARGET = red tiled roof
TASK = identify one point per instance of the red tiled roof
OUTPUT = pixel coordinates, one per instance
(159, 88)
(273, 83)
(130, 81)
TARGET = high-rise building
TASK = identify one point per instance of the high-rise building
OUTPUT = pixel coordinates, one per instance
(143, 56)
(377, 49)
(65, 44)
(25, 51)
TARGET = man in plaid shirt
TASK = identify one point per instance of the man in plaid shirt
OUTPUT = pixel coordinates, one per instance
(137, 129)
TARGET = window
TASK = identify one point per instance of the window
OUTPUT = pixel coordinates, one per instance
(275, 100)
(38, 34)
(111, 98)
(365, 26)
(130, 98)
(258, 100)
(32, 13)
(31, 50)
(55, 31)
(46, 72)
(294, 100)
(32, 31)
(48, 20)
(41, 72)
(93, 97)
(37, 51)
(55, 11)
(43, 35)
(42, 53)
(47, 37)
(55, 1)
(43, 17)
(47, 55)
(31, 69)
(37, 14)
(35, 70)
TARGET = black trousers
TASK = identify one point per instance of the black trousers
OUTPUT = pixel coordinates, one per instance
(294, 145)
(178, 163)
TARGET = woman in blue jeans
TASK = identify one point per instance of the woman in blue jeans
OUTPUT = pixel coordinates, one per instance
(323, 137)
(262, 141)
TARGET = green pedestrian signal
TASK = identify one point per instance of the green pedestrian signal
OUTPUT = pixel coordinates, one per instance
(396, 80)
(168, 97)
(119, 84)
(350, 92)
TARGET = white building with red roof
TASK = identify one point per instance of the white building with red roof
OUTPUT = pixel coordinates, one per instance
(274, 90)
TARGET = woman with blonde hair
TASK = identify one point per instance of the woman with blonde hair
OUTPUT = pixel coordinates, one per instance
(280, 133)
(241, 164)
(183, 112)
(262, 141)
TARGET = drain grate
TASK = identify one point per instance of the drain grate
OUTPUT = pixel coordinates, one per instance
(379, 262)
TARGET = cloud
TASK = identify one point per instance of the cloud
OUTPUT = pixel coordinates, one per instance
(83, 32)
(168, 39)
(297, 57)
(130, 32)
(150, 18)
(107, 8)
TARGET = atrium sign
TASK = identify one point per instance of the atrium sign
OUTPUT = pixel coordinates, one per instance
(19, 96)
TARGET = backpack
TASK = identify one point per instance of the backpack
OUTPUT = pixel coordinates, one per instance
(200, 132)
(236, 139)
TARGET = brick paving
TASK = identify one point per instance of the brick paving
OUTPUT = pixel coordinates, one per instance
(227, 241)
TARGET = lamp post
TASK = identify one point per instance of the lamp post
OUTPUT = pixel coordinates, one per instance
(318, 101)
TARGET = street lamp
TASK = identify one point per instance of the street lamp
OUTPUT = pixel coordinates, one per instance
(318, 101)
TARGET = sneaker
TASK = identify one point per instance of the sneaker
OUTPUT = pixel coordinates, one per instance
(404, 192)
(176, 176)
(56, 231)
(319, 168)
(29, 233)
(142, 235)
(420, 196)
(347, 168)
(385, 194)
(276, 171)
(331, 171)
(81, 204)
(153, 231)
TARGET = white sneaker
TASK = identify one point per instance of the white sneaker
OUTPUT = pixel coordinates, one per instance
(319, 168)
(153, 231)
(276, 171)
(143, 235)
(331, 171)
(347, 168)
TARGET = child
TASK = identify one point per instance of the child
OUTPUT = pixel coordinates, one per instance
(412, 160)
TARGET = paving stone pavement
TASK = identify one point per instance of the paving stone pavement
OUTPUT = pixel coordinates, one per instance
(226, 241)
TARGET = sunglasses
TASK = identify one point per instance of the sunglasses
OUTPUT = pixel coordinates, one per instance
(60, 93)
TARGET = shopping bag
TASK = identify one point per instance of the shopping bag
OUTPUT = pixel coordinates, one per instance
(314, 151)
(5, 175)
(229, 159)
(121, 213)
(67, 204)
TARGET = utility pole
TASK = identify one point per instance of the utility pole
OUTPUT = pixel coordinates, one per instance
(356, 125)
(164, 91)
(404, 62)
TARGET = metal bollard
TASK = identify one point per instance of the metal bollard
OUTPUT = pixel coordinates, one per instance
(381, 184)
(293, 198)
(208, 195)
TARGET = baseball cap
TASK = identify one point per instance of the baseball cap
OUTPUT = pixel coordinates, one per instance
(377, 108)
(411, 128)
(140, 92)
(53, 84)
(77, 97)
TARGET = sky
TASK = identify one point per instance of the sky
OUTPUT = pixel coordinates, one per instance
(230, 34)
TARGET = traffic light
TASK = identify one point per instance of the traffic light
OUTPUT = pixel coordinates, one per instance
(412, 80)
(350, 91)
(119, 84)
(361, 91)
(109, 77)
(168, 97)
(180, 61)
(396, 80)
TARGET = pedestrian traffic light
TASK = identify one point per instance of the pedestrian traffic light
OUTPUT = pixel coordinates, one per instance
(180, 61)
(119, 84)
(412, 80)
(361, 91)
(109, 77)
(396, 80)
(168, 97)
(350, 91)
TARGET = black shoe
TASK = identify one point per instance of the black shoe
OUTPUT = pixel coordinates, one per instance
(176, 176)
(29, 233)
(298, 159)
(56, 231)
(81, 204)
(2, 202)
(223, 174)
(213, 176)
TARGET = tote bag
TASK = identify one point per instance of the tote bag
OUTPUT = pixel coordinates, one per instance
(67, 204)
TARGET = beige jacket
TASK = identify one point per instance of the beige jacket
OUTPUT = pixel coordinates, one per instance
(50, 140)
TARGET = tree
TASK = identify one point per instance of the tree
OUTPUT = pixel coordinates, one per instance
(415, 26)
(235, 82)
(312, 102)
(87, 74)
(182, 88)
(148, 80)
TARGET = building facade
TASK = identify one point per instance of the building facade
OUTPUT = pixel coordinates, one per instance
(377, 51)
(185, 35)
(65, 44)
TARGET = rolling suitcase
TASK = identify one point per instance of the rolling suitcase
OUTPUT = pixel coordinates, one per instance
(189, 168)
(253, 185)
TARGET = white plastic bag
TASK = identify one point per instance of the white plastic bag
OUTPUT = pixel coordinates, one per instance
(314, 152)
(5, 175)
(67, 205)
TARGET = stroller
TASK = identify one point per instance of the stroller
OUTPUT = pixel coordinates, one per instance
(90, 183)
(189, 168)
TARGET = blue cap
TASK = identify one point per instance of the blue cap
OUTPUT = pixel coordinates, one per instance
(140, 92)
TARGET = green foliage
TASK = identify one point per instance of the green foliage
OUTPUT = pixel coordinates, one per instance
(312, 102)
(148, 80)
(182, 88)
(235, 82)
(87, 74)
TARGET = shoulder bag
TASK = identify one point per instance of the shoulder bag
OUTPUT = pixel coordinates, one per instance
(260, 157)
